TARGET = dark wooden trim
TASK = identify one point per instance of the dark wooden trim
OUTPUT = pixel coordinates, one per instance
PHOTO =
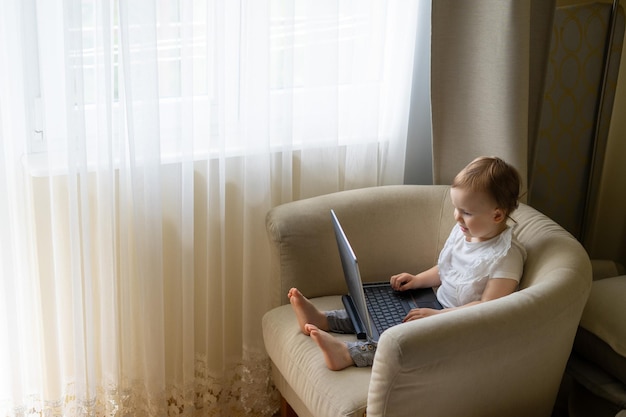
(285, 409)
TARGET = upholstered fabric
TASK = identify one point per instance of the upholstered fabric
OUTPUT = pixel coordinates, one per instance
(604, 314)
(605, 268)
(598, 361)
(601, 337)
(599, 353)
(505, 357)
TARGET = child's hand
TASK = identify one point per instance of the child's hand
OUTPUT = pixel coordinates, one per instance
(403, 281)
(420, 313)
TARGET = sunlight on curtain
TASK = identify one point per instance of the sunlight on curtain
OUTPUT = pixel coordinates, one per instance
(141, 145)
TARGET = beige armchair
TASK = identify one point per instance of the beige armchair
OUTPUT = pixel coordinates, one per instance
(502, 358)
(597, 365)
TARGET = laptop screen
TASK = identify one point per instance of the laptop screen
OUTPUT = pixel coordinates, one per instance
(352, 274)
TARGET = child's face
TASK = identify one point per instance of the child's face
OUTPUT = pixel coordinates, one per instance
(477, 214)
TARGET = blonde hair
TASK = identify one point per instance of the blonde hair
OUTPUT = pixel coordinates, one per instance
(495, 177)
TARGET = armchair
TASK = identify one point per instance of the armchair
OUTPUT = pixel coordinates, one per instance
(597, 365)
(504, 357)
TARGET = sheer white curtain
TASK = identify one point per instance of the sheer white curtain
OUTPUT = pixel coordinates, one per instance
(141, 144)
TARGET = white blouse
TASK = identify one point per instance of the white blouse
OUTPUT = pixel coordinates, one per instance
(465, 267)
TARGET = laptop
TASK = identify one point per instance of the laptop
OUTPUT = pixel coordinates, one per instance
(374, 307)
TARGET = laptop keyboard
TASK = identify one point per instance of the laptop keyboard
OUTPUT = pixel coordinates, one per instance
(385, 310)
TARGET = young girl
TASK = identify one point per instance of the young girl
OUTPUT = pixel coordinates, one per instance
(481, 261)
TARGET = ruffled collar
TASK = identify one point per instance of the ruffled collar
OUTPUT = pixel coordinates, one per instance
(488, 253)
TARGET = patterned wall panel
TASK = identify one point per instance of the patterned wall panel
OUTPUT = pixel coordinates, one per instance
(560, 172)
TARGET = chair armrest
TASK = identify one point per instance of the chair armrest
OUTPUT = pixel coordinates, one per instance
(498, 358)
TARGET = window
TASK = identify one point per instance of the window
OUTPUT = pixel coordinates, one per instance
(294, 74)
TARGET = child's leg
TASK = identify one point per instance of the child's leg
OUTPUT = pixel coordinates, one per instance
(339, 355)
(339, 322)
(362, 352)
(335, 321)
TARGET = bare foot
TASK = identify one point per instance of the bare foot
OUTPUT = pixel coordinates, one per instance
(336, 354)
(306, 312)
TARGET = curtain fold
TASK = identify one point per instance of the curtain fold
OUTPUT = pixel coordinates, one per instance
(141, 145)
(488, 67)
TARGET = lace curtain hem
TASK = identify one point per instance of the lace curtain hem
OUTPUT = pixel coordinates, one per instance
(245, 390)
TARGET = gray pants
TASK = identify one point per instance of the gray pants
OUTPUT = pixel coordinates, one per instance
(362, 352)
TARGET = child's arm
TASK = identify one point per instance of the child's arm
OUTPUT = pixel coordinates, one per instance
(406, 281)
(496, 288)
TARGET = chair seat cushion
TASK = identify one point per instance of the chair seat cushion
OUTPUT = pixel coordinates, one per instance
(300, 361)
(601, 337)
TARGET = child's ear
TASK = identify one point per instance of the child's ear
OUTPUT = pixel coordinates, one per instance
(498, 215)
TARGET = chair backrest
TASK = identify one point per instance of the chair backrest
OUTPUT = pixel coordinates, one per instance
(391, 229)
